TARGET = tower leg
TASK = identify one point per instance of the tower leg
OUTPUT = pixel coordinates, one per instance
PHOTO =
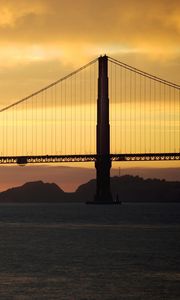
(103, 161)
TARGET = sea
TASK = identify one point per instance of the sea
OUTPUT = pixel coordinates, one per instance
(88, 252)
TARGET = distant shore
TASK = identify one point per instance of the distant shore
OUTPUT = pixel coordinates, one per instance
(128, 188)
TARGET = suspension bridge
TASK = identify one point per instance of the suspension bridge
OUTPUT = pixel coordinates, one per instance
(105, 111)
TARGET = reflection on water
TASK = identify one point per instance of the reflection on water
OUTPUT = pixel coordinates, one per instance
(74, 251)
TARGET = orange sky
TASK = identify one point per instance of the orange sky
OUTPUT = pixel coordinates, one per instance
(42, 40)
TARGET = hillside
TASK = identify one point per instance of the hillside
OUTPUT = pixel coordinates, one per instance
(135, 189)
(34, 192)
(129, 189)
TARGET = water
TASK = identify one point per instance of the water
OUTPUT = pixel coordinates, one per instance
(80, 252)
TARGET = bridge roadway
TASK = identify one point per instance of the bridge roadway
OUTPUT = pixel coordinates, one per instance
(23, 160)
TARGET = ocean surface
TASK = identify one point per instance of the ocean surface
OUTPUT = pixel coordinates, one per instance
(86, 252)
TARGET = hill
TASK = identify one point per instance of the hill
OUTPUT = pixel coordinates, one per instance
(129, 189)
(34, 192)
(135, 189)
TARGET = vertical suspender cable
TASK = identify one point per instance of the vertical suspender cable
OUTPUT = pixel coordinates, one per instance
(72, 103)
(55, 121)
(32, 110)
(179, 120)
(65, 116)
(85, 123)
(89, 109)
(150, 117)
(6, 134)
(145, 115)
(159, 119)
(125, 121)
(155, 116)
(3, 133)
(45, 121)
(84, 112)
(121, 113)
(36, 125)
(169, 118)
(13, 126)
(76, 114)
(140, 123)
(134, 115)
(52, 110)
(42, 124)
(95, 101)
(81, 111)
(26, 117)
(111, 103)
(130, 112)
(61, 108)
(174, 125)
(164, 120)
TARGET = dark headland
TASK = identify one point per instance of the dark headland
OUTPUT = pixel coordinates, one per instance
(128, 188)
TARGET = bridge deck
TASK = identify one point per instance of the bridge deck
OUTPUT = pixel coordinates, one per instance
(23, 160)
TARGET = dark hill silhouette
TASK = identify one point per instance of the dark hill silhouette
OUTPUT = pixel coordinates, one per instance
(34, 192)
(135, 189)
(129, 189)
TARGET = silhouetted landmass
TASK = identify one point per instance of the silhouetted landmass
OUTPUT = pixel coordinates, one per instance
(129, 189)
(136, 189)
(34, 192)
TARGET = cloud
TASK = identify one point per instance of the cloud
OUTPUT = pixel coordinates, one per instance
(115, 22)
(35, 34)
(12, 11)
(21, 79)
(42, 40)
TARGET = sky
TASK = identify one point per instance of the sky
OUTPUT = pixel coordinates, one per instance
(43, 40)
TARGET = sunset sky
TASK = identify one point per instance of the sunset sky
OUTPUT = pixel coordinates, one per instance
(43, 40)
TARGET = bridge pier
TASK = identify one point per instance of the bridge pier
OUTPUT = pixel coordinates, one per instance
(103, 187)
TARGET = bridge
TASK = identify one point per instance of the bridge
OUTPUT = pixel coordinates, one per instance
(105, 111)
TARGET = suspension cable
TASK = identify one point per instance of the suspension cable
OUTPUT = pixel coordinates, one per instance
(50, 85)
(145, 74)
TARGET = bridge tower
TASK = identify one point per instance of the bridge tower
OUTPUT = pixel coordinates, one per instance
(103, 161)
